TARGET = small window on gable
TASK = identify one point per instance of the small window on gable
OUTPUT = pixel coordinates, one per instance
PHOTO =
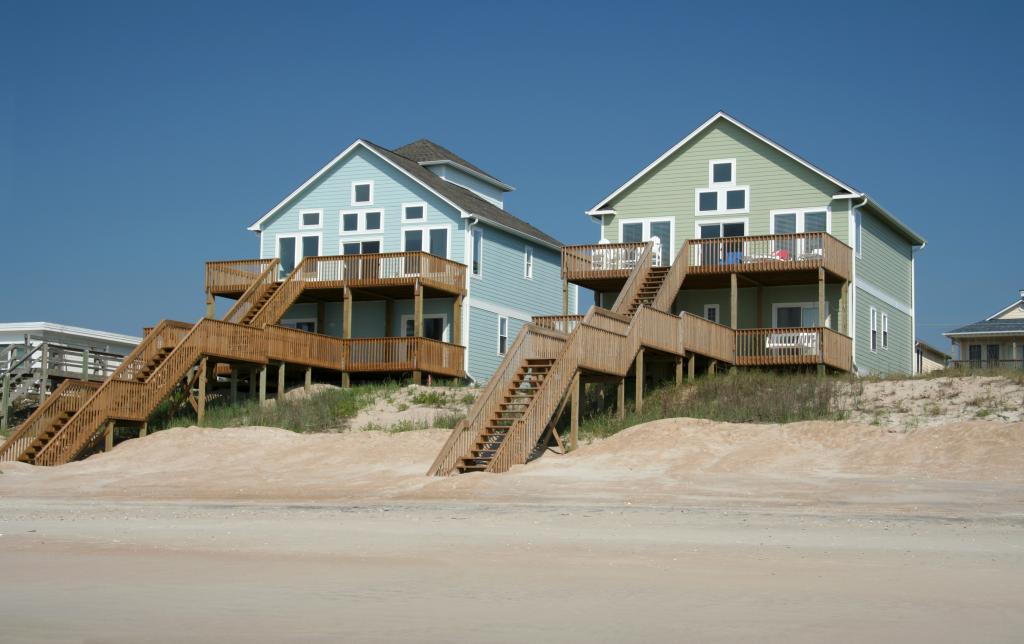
(735, 199)
(723, 171)
(310, 218)
(350, 222)
(414, 212)
(528, 263)
(502, 335)
(372, 221)
(362, 192)
(709, 201)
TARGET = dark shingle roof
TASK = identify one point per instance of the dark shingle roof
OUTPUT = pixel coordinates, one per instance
(425, 151)
(991, 327)
(463, 198)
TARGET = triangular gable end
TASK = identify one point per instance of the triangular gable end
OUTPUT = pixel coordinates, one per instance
(602, 206)
(258, 224)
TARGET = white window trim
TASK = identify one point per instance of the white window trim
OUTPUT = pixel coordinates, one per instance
(446, 334)
(353, 201)
(360, 222)
(873, 332)
(711, 222)
(721, 190)
(528, 262)
(422, 220)
(800, 212)
(718, 312)
(858, 233)
(667, 246)
(359, 240)
(298, 243)
(306, 211)
(711, 173)
(498, 336)
(426, 237)
(472, 252)
(885, 331)
(784, 305)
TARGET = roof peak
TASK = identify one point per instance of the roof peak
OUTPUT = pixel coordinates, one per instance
(426, 152)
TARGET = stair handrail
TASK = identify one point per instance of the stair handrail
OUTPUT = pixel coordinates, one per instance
(289, 289)
(68, 396)
(487, 402)
(673, 280)
(33, 350)
(265, 278)
(636, 279)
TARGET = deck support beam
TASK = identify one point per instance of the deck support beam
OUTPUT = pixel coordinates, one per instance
(417, 375)
(201, 403)
(620, 398)
(712, 367)
(346, 329)
(691, 367)
(280, 380)
(734, 301)
(108, 437)
(639, 369)
(565, 295)
(679, 370)
(821, 321)
(308, 382)
(574, 421)
(457, 321)
(143, 429)
(263, 383)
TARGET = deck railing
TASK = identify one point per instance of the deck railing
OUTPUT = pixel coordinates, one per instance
(707, 338)
(402, 354)
(769, 253)
(243, 306)
(302, 347)
(987, 364)
(383, 269)
(67, 397)
(637, 276)
(597, 261)
(561, 323)
(793, 346)
(233, 276)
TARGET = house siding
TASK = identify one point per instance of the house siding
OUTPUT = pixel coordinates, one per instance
(886, 259)
(776, 182)
(333, 194)
(899, 356)
(693, 301)
(483, 338)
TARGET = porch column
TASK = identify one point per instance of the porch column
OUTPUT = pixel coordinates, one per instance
(309, 379)
(679, 370)
(620, 400)
(211, 307)
(85, 365)
(734, 301)
(280, 379)
(418, 310)
(201, 403)
(639, 380)
(5, 403)
(457, 322)
(844, 304)
(346, 328)
(565, 296)
(821, 297)
(574, 425)
(234, 384)
(44, 376)
(263, 383)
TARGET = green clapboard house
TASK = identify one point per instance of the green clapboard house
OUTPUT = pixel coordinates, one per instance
(786, 254)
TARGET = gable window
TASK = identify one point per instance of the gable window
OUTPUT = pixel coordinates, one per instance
(708, 201)
(414, 212)
(363, 247)
(711, 312)
(310, 218)
(722, 194)
(362, 192)
(502, 335)
(478, 252)
(528, 262)
(371, 220)
(350, 222)
(722, 172)
(874, 329)
(885, 331)
(364, 221)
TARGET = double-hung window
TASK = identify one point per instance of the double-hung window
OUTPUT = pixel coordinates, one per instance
(528, 262)
(502, 335)
(478, 252)
(874, 329)
(885, 331)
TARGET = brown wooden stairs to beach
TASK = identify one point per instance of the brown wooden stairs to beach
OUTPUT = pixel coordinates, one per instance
(649, 289)
(55, 425)
(266, 293)
(517, 399)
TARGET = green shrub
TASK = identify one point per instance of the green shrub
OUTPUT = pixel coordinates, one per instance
(448, 420)
(431, 398)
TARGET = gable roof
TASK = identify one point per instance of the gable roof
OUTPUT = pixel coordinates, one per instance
(990, 327)
(849, 191)
(921, 344)
(1018, 303)
(426, 152)
(462, 199)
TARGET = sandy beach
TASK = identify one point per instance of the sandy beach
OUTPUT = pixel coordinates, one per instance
(678, 530)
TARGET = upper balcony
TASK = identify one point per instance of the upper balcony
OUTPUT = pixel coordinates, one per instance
(769, 259)
(374, 274)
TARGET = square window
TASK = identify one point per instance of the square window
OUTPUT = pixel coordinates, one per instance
(414, 212)
(721, 173)
(373, 221)
(371, 247)
(350, 222)
(413, 240)
(350, 248)
(362, 193)
(815, 222)
(735, 199)
(708, 201)
(311, 219)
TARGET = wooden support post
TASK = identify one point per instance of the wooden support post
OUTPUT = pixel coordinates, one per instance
(211, 305)
(346, 381)
(321, 317)
(821, 297)
(108, 437)
(679, 370)
(418, 310)
(143, 429)
(44, 377)
(639, 369)
(574, 421)
(712, 367)
(280, 380)
(201, 403)
(5, 401)
(234, 384)
(389, 317)
(309, 379)
(263, 383)
(565, 296)
(620, 399)
(253, 381)
(691, 367)
(844, 308)
(734, 301)
(457, 321)
(346, 317)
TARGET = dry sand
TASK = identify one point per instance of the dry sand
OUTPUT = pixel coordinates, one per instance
(677, 530)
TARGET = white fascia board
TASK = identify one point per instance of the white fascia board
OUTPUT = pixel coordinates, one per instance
(52, 327)
(706, 124)
(959, 334)
(257, 226)
(1006, 310)
(471, 172)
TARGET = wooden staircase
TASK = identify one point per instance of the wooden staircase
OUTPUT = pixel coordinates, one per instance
(266, 293)
(515, 402)
(649, 289)
(44, 423)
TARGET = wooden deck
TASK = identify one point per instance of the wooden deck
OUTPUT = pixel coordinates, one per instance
(794, 346)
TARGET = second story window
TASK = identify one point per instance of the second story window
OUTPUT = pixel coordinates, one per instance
(478, 252)
(414, 212)
(310, 218)
(528, 262)
(362, 192)
(363, 221)
(722, 195)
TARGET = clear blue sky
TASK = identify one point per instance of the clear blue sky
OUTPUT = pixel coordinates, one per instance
(138, 140)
